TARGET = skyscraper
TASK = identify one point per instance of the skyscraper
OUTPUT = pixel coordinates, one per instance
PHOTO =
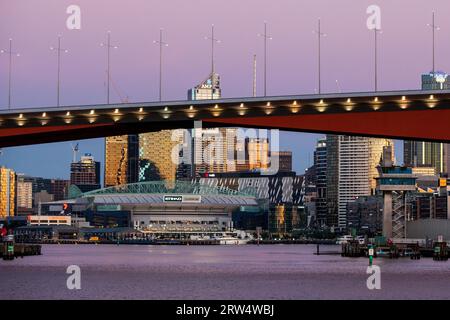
(24, 193)
(207, 89)
(85, 174)
(320, 164)
(351, 170)
(121, 160)
(258, 153)
(426, 154)
(158, 155)
(435, 81)
(7, 192)
(214, 150)
(429, 154)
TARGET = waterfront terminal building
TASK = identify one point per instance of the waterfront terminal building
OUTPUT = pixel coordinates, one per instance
(158, 207)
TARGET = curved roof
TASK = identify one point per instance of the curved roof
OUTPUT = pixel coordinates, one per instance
(158, 199)
(167, 187)
(153, 192)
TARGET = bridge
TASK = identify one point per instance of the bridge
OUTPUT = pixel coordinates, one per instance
(415, 115)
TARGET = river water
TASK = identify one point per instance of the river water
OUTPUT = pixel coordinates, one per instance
(217, 272)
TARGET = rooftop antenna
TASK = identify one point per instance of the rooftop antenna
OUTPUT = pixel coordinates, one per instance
(74, 151)
(254, 75)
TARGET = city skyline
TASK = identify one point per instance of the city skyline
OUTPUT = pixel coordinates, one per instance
(186, 37)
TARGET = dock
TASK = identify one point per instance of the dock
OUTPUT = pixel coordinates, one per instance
(20, 250)
(439, 251)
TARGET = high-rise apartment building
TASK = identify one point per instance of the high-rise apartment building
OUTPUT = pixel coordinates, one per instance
(7, 192)
(320, 165)
(85, 174)
(351, 169)
(24, 193)
(121, 160)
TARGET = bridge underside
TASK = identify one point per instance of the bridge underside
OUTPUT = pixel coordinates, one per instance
(414, 115)
(427, 125)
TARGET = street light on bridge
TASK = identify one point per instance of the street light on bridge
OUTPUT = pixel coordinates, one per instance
(376, 32)
(11, 54)
(434, 28)
(266, 37)
(320, 34)
(161, 45)
(213, 42)
(108, 47)
(58, 53)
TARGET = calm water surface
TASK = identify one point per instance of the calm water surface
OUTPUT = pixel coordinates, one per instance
(216, 272)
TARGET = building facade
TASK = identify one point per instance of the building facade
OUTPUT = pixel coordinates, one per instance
(85, 174)
(320, 165)
(426, 154)
(159, 158)
(24, 194)
(351, 170)
(284, 160)
(121, 160)
(207, 89)
(365, 215)
(7, 192)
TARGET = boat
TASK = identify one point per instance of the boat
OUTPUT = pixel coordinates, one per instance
(235, 238)
(231, 240)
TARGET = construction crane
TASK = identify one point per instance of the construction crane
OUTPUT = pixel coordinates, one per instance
(74, 151)
(123, 99)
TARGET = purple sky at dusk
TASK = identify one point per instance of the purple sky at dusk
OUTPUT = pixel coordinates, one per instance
(404, 53)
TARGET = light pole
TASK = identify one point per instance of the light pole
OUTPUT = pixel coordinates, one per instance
(266, 37)
(213, 42)
(108, 48)
(320, 34)
(254, 75)
(58, 53)
(11, 54)
(161, 45)
(376, 31)
(433, 30)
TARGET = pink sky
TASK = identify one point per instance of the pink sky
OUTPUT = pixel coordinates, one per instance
(347, 49)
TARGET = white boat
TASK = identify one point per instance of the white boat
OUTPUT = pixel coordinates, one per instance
(232, 240)
(237, 237)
